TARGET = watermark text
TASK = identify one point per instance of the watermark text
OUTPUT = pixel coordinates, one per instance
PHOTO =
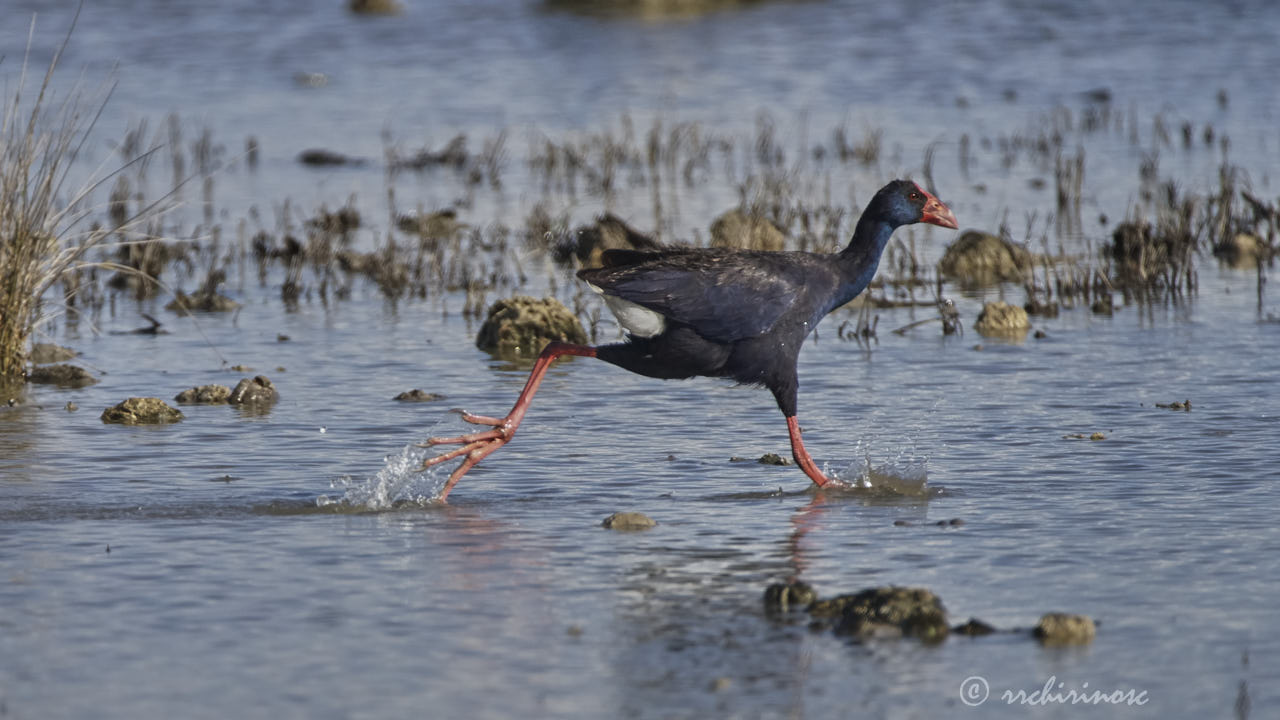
(975, 690)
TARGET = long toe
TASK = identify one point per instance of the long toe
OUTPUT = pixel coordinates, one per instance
(468, 438)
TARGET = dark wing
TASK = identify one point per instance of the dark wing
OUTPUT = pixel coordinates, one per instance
(724, 295)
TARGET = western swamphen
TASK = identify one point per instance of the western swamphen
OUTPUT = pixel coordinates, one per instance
(720, 313)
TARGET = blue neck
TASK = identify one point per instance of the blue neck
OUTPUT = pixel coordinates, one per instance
(859, 260)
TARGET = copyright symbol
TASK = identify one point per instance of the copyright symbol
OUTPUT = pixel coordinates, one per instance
(974, 690)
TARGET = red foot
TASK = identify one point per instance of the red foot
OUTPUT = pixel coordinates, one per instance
(478, 445)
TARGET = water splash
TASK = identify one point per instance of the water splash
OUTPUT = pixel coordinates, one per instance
(401, 481)
(903, 477)
(905, 474)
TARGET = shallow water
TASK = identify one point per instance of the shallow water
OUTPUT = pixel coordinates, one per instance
(259, 566)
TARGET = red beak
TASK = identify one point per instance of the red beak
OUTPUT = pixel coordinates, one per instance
(937, 213)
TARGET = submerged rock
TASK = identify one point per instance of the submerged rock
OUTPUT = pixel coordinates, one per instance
(339, 222)
(46, 353)
(977, 259)
(886, 612)
(201, 301)
(749, 231)
(64, 376)
(1002, 319)
(258, 391)
(1241, 251)
(320, 157)
(521, 326)
(1057, 628)
(974, 628)
(629, 521)
(439, 225)
(783, 597)
(204, 395)
(375, 7)
(141, 411)
(416, 395)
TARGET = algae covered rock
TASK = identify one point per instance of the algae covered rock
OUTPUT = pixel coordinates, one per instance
(977, 259)
(749, 231)
(375, 7)
(204, 395)
(1001, 318)
(1058, 628)
(201, 301)
(418, 395)
(521, 326)
(783, 597)
(886, 612)
(64, 376)
(1241, 251)
(628, 521)
(141, 411)
(258, 391)
(974, 628)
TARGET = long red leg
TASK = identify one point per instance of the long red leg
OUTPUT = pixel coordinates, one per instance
(477, 446)
(801, 455)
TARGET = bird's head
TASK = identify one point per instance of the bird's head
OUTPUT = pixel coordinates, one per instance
(903, 202)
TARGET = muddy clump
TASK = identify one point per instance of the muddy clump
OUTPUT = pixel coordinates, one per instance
(1241, 251)
(375, 7)
(206, 299)
(773, 459)
(748, 231)
(628, 521)
(978, 259)
(258, 391)
(60, 375)
(200, 302)
(432, 226)
(609, 232)
(204, 395)
(1057, 628)
(886, 612)
(521, 326)
(999, 318)
(452, 155)
(784, 597)
(141, 411)
(974, 628)
(326, 158)
(48, 353)
(342, 221)
(416, 395)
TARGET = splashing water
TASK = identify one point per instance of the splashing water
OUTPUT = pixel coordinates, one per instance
(401, 481)
(904, 475)
(906, 471)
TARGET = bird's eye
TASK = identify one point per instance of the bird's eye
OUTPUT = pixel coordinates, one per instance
(914, 195)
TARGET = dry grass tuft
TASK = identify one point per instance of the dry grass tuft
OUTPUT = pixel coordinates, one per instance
(42, 211)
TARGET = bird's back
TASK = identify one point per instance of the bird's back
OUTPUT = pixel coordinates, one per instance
(724, 295)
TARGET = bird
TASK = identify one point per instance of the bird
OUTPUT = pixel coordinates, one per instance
(716, 312)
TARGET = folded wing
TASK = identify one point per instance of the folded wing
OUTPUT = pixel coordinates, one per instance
(723, 295)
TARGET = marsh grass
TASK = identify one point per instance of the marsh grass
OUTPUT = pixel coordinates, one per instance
(45, 234)
(40, 140)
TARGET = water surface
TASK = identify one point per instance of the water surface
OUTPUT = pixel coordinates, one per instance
(201, 569)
